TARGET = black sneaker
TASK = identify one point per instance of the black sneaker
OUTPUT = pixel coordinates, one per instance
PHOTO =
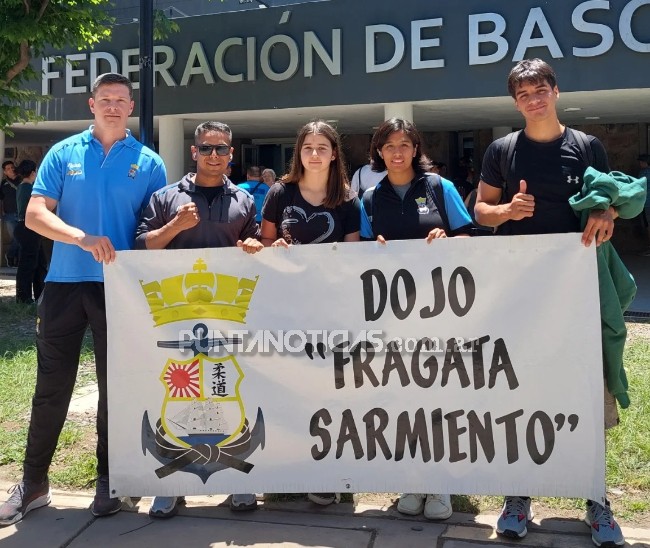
(103, 504)
(25, 497)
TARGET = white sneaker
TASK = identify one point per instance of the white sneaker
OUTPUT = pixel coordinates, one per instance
(437, 507)
(242, 502)
(165, 507)
(411, 504)
(324, 499)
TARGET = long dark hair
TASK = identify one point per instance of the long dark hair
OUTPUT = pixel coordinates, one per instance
(420, 161)
(338, 185)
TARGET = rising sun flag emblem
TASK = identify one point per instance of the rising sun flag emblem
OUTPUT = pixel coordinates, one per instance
(183, 380)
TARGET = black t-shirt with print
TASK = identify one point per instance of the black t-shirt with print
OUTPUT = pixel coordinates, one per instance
(299, 222)
(553, 173)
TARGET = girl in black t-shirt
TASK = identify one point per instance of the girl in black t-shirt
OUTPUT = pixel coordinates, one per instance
(313, 203)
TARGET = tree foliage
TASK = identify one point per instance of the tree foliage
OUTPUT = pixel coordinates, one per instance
(27, 28)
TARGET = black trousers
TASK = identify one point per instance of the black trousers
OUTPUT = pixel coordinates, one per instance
(65, 310)
(32, 265)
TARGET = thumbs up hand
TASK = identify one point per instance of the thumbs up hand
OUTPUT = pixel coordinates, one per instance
(522, 204)
(523, 186)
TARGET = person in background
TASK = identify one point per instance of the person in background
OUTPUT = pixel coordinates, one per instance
(204, 209)
(439, 168)
(88, 195)
(257, 188)
(464, 180)
(32, 265)
(365, 178)
(406, 205)
(8, 210)
(253, 175)
(269, 177)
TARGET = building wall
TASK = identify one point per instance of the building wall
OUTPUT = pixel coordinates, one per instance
(263, 60)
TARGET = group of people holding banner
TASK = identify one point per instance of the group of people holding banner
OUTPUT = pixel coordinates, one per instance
(526, 183)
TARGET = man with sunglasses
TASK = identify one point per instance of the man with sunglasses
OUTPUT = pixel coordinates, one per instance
(204, 209)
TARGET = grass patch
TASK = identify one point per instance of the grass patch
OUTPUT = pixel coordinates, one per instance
(628, 446)
(74, 461)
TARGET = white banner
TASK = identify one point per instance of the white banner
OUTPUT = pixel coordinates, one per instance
(467, 366)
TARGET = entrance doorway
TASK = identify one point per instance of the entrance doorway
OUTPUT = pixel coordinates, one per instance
(268, 153)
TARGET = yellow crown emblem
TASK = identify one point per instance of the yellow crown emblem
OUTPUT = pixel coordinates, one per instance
(199, 294)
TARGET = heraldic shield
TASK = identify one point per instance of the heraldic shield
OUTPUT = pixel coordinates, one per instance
(203, 426)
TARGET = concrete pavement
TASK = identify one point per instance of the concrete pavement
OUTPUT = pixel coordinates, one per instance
(208, 522)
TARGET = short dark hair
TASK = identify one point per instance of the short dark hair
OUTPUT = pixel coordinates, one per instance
(532, 71)
(111, 78)
(215, 127)
(420, 163)
(254, 171)
(25, 168)
(5, 164)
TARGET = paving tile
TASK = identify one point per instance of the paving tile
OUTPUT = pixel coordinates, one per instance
(46, 527)
(130, 530)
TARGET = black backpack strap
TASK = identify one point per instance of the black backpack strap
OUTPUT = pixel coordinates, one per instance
(436, 194)
(368, 202)
(507, 155)
(584, 145)
(257, 186)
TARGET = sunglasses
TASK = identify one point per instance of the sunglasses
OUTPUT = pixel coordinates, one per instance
(206, 150)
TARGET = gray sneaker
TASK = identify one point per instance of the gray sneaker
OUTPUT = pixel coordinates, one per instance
(604, 529)
(103, 504)
(25, 497)
(514, 518)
